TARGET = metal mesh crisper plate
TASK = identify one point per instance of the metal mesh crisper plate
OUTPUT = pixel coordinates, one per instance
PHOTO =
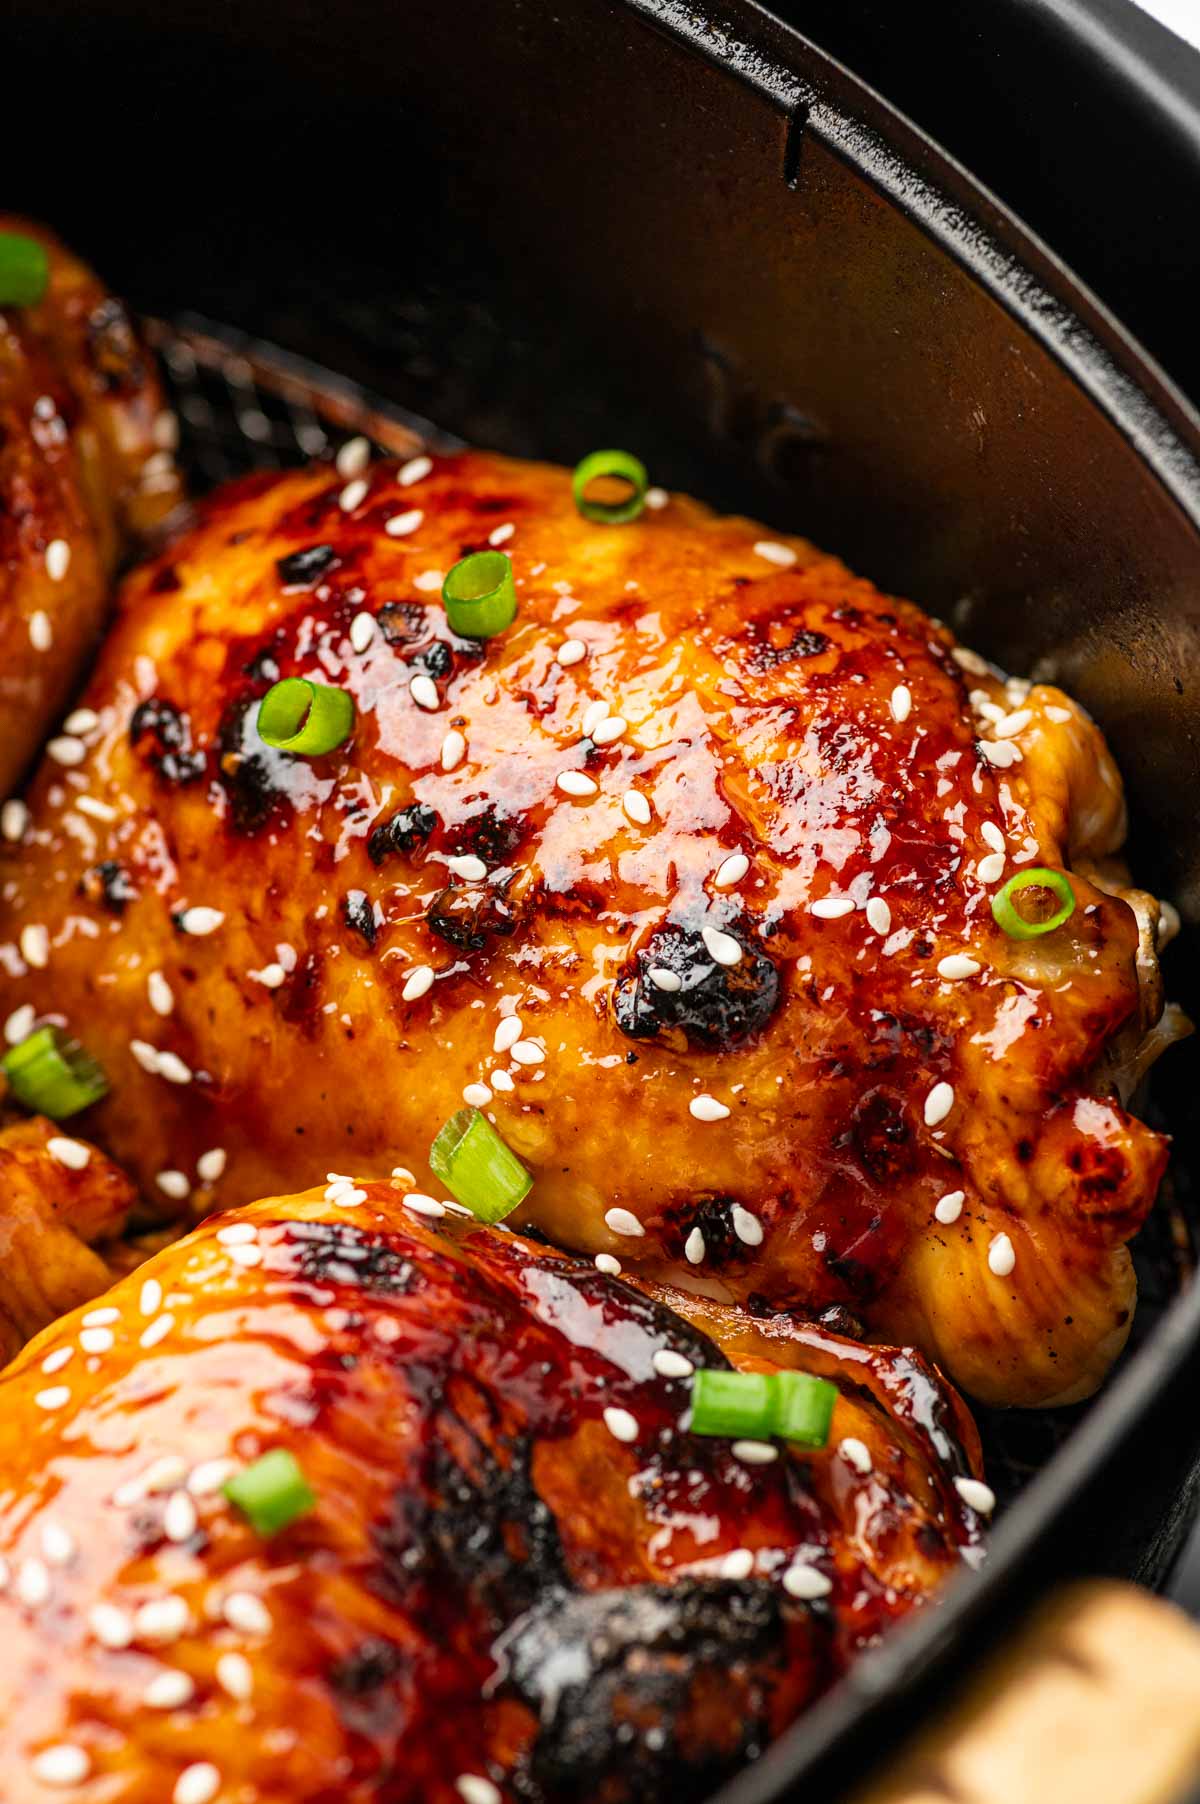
(245, 406)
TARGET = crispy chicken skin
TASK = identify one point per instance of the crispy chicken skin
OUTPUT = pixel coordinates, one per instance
(85, 469)
(522, 1579)
(342, 944)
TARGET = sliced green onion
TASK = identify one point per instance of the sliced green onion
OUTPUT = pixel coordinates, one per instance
(24, 270)
(611, 467)
(53, 1075)
(756, 1405)
(472, 1161)
(271, 1493)
(479, 596)
(1017, 926)
(309, 718)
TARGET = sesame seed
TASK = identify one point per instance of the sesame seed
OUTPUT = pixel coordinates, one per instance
(242, 1610)
(476, 1096)
(58, 558)
(901, 703)
(832, 908)
(210, 1165)
(179, 1517)
(415, 470)
(33, 1582)
(172, 1067)
(362, 631)
(636, 807)
(208, 1477)
(991, 836)
(67, 750)
(19, 1025)
(879, 916)
(14, 818)
(948, 1208)
(976, 1495)
(938, 1104)
(722, 947)
(575, 783)
(53, 1398)
(420, 1204)
(168, 1690)
(164, 1473)
(623, 1221)
(606, 1263)
(528, 1052)
(856, 1454)
(507, 1033)
(999, 752)
(102, 1318)
(162, 999)
(1001, 1256)
(656, 499)
(58, 1544)
(621, 1425)
(669, 1364)
(111, 1627)
(991, 868)
(158, 1330)
(1011, 724)
(662, 979)
(62, 1764)
(731, 871)
(99, 811)
(969, 660)
(197, 1784)
(609, 730)
(400, 525)
(1059, 716)
(746, 1226)
(454, 750)
(35, 946)
(235, 1675)
(737, 1565)
(424, 692)
(71, 1153)
(344, 1198)
(956, 966)
(173, 1184)
(774, 553)
(501, 534)
(755, 1453)
(468, 867)
(96, 1340)
(241, 1233)
(429, 580)
(694, 1248)
(805, 1582)
(353, 495)
(593, 715)
(502, 1081)
(83, 720)
(41, 633)
(571, 651)
(353, 457)
(200, 920)
(707, 1108)
(271, 976)
(150, 1299)
(474, 1790)
(418, 983)
(162, 1619)
(54, 1362)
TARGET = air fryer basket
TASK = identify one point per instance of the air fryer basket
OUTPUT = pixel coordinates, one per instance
(546, 228)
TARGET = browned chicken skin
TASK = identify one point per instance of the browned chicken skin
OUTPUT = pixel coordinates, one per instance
(523, 1578)
(86, 468)
(530, 870)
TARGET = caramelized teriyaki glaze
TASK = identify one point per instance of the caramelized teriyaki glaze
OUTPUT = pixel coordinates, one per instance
(523, 1578)
(672, 868)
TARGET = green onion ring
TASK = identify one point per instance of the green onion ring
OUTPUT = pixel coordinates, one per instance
(53, 1075)
(24, 270)
(308, 718)
(1015, 925)
(272, 1493)
(622, 466)
(479, 596)
(758, 1405)
(475, 1164)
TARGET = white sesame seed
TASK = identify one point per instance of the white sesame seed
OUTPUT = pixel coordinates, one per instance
(102, 1318)
(99, 811)
(211, 1165)
(162, 999)
(54, 1362)
(1009, 725)
(528, 1052)
(242, 1610)
(948, 1208)
(755, 1453)
(243, 1233)
(162, 1619)
(53, 1398)
(832, 908)
(271, 976)
(418, 983)
(1000, 752)
(571, 651)
(201, 920)
(774, 553)
(990, 869)
(502, 1081)
(111, 1626)
(976, 1495)
(424, 692)
(197, 1784)
(96, 1340)
(150, 1298)
(1001, 1256)
(879, 916)
(991, 836)
(158, 1330)
(593, 715)
(746, 1226)
(454, 750)
(353, 495)
(41, 633)
(67, 750)
(35, 946)
(415, 470)
(164, 1473)
(58, 558)
(969, 660)
(636, 807)
(208, 1477)
(235, 1675)
(737, 1565)
(62, 1764)
(429, 580)
(344, 1198)
(707, 1108)
(179, 1517)
(476, 1096)
(1059, 716)
(694, 1248)
(656, 499)
(610, 729)
(575, 783)
(805, 1582)
(420, 1204)
(957, 966)
(172, 1067)
(731, 871)
(662, 979)
(938, 1104)
(474, 1790)
(173, 1184)
(33, 1582)
(606, 1263)
(901, 703)
(620, 1424)
(623, 1221)
(468, 867)
(500, 535)
(83, 720)
(669, 1364)
(507, 1033)
(71, 1153)
(722, 947)
(58, 1544)
(401, 525)
(353, 457)
(19, 1024)
(14, 818)
(168, 1690)
(362, 631)
(856, 1454)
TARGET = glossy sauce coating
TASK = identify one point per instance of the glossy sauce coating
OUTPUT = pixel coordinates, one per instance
(521, 1569)
(518, 874)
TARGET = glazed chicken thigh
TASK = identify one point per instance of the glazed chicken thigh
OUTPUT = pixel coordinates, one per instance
(686, 879)
(521, 1575)
(86, 469)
